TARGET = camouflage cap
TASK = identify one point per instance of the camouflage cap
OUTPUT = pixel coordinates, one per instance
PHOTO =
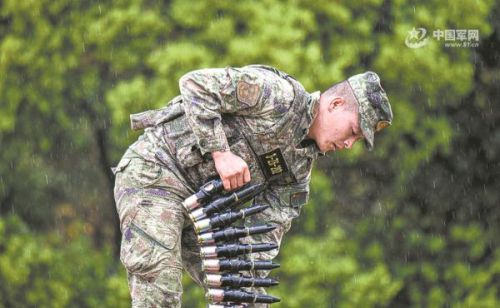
(374, 108)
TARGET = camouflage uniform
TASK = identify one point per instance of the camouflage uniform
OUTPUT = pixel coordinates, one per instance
(260, 114)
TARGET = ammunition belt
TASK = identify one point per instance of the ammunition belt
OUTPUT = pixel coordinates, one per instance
(213, 212)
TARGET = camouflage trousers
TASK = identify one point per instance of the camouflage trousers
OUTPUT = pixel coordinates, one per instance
(158, 239)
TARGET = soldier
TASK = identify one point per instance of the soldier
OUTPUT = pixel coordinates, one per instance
(253, 123)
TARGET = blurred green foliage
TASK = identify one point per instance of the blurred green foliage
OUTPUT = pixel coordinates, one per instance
(46, 270)
(413, 223)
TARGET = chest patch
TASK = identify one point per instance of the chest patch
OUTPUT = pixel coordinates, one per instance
(273, 163)
(247, 93)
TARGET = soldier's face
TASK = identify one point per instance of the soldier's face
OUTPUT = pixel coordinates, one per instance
(338, 126)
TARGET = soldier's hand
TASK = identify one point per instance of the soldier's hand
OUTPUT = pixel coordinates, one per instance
(232, 169)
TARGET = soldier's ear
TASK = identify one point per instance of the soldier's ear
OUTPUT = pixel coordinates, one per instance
(335, 102)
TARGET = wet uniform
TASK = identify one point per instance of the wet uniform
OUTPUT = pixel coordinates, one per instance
(259, 113)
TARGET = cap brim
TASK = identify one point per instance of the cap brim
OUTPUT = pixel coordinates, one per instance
(368, 133)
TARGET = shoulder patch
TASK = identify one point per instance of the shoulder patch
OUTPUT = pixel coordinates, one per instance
(247, 93)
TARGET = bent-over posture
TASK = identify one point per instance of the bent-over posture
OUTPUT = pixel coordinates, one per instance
(253, 123)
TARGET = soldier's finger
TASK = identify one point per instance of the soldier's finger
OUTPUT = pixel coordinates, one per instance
(234, 183)
(227, 184)
(239, 179)
(246, 176)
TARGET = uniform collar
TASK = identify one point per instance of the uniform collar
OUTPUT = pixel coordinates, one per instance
(312, 108)
(312, 105)
(312, 150)
(312, 111)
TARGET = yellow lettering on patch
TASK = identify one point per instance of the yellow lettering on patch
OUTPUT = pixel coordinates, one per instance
(273, 163)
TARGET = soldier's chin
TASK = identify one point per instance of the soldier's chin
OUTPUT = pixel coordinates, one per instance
(324, 148)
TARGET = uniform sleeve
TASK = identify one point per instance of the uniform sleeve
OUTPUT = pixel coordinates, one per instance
(209, 93)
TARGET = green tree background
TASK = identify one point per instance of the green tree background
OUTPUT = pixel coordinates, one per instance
(414, 223)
